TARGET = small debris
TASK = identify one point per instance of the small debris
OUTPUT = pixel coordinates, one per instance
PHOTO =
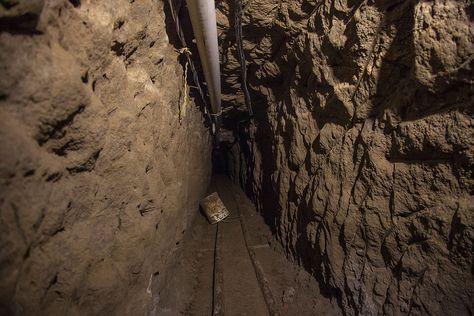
(288, 296)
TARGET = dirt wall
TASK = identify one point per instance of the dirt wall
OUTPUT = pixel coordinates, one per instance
(102, 161)
(361, 152)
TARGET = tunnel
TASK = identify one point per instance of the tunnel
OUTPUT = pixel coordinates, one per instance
(335, 138)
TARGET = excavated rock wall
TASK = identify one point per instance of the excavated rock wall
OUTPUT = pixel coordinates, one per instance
(102, 162)
(361, 154)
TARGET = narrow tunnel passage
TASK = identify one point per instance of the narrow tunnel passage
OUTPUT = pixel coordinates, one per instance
(344, 154)
(237, 268)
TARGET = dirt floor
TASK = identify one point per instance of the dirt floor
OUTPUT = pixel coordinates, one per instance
(268, 285)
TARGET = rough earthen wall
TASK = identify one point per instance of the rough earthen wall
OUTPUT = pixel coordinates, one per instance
(361, 153)
(99, 177)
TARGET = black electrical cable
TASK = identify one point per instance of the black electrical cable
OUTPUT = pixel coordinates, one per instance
(241, 55)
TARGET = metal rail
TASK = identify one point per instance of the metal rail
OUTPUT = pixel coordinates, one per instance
(261, 279)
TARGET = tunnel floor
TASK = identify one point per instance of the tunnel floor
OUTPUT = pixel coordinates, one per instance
(236, 268)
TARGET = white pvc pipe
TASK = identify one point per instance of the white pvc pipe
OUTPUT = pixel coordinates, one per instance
(203, 20)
